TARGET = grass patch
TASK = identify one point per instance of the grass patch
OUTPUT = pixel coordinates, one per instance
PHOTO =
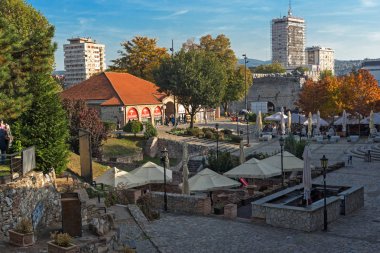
(74, 165)
(126, 145)
(5, 170)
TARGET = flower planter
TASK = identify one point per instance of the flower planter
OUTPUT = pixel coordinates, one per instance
(218, 210)
(54, 248)
(21, 240)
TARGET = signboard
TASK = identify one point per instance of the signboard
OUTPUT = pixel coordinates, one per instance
(132, 114)
(145, 113)
(259, 106)
(28, 159)
(85, 155)
(157, 112)
(37, 214)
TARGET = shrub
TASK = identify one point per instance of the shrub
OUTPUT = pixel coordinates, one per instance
(24, 226)
(61, 239)
(235, 138)
(209, 135)
(227, 131)
(150, 130)
(109, 126)
(133, 126)
(293, 146)
(208, 129)
(195, 131)
(221, 136)
(252, 117)
(224, 163)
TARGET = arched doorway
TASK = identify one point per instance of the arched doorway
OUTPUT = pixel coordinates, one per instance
(157, 114)
(132, 114)
(271, 107)
(145, 114)
(169, 109)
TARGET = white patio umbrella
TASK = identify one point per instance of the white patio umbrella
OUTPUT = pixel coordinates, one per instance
(253, 168)
(371, 123)
(209, 180)
(289, 122)
(350, 120)
(317, 130)
(282, 121)
(344, 121)
(120, 178)
(309, 125)
(306, 178)
(241, 149)
(275, 117)
(376, 119)
(153, 173)
(259, 122)
(185, 170)
(290, 162)
(314, 117)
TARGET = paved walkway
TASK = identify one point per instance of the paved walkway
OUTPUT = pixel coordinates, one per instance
(357, 232)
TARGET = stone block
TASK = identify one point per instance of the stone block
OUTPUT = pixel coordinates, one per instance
(230, 211)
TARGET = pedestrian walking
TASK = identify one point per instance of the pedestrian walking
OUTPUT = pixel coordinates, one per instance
(3, 144)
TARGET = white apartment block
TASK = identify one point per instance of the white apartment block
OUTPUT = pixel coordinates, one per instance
(321, 57)
(83, 59)
(373, 66)
(288, 40)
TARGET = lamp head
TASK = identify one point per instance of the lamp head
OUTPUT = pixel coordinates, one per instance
(324, 161)
(282, 140)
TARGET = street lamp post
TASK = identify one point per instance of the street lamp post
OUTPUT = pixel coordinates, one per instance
(324, 161)
(282, 158)
(163, 114)
(164, 154)
(245, 94)
(217, 143)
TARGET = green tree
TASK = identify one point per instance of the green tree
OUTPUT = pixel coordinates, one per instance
(45, 125)
(26, 48)
(196, 77)
(269, 68)
(140, 57)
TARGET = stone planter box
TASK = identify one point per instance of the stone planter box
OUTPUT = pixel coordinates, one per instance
(54, 248)
(21, 240)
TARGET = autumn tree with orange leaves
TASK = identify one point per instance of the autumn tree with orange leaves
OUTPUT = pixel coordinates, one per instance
(357, 92)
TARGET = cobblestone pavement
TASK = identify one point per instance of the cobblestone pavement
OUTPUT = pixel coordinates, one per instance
(357, 232)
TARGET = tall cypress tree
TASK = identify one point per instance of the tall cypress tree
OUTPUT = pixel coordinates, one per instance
(26, 47)
(45, 125)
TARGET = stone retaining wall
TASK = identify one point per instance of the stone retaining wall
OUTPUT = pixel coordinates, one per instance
(353, 199)
(175, 148)
(18, 200)
(178, 203)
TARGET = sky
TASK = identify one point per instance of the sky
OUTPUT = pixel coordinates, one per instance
(350, 27)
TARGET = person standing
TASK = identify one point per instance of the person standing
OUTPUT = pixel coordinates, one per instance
(3, 144)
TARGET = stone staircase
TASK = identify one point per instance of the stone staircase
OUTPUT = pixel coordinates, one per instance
(361, 151)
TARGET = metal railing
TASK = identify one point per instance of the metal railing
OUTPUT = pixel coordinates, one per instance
(12, 164)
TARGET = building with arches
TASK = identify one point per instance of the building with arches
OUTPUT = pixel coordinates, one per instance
(120, 97)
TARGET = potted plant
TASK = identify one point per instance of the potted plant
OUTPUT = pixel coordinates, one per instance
(62, 243)
(22, 235)
(218, 208)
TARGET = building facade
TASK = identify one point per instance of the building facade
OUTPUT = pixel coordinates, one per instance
(321, 57)
(288, 40)
(83, 59)
(373, 66)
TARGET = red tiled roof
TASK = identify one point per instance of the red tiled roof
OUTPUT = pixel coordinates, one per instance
(116, 89)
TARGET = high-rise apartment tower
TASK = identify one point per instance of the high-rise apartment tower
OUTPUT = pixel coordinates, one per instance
(288, 40)
(83, 58)
(322, 57)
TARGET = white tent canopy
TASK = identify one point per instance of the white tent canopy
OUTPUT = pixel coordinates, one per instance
(120, 178)
(253, 168)
(291, 162)
(322, 122)
(350, 120)
(153, 173)
(376, 119)
(209, 180)
(275, 117)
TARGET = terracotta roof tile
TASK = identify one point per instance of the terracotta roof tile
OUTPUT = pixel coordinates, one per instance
(116, 88)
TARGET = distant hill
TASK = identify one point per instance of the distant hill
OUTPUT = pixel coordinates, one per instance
(253, 62)
(59, 72)
(344, 67)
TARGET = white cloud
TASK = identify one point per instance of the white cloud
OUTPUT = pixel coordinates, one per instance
(173, 15)
(369, 3)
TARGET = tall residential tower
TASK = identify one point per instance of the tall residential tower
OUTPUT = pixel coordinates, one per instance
(83, 59)
(288, 40)
(322, 57)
